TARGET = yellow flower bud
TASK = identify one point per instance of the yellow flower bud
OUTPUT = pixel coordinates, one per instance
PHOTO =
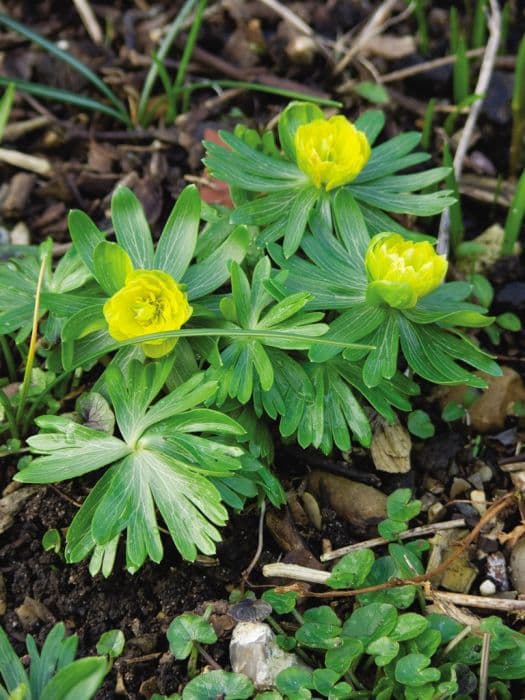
(332, 152)
(150, 302)
(400, 271)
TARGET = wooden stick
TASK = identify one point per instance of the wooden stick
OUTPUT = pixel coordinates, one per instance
(41, 166)
(89, 20)
(408, 534)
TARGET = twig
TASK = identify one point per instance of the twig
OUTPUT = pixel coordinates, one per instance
(409, 71)
(89, 20)
(485, 74)
(209, 658)
(372, 28)
(484, 668)
(457, 639)
(408, 534)
(303, 573)
(505, 605)
(260, 540)
(41, 166)
(289, 16)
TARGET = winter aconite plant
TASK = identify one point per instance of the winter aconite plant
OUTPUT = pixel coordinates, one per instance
(308, 305)
(281, 191)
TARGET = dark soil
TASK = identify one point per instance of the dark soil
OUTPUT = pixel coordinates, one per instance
(90, 154)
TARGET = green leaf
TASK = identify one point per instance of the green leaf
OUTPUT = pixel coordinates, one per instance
(131, 228)
(293, 680)
(218, 684)
(178, 239)
(281, 603)
(408, 563)
(319, 636)
(324, 679)
(482, 289)
(342, 657)
(400, 506)
(292, 117)
(509, 321)
(11, 669)
(51, 541)
(452, 411)
(412, 670)
(95, 412)
(384, 650)
(85, 236)
(81, 449)
(350, 225)
(420, 424)
(349, 327)
(373, 92)
(445, 625)
(111, 266)
(300, 211)
(81, 679)
(206, 276)
(372, 123)
(409, 626)
(351, 570)
(85, 322)
(111, 644)
(185, 630)
(371, 622)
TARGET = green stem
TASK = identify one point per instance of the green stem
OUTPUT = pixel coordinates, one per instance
(32, 343)
(8, 357)
(188, 48)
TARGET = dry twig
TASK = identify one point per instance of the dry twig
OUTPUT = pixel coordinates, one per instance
(407, 535)
(89, 20)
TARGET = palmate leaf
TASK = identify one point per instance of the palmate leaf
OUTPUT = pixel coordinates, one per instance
(335, 416)
(171, 459)
(18, 283)
(246, 361)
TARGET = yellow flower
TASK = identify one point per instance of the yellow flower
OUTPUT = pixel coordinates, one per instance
(150, 302)
(400, 271)
(332, 152)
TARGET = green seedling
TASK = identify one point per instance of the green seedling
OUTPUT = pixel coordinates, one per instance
(515, 216)
(53, 673)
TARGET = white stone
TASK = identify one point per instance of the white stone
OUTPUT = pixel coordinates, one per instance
(487, 587)
(254, 652)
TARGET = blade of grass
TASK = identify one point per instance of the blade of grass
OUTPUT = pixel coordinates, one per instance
(5, 107)
(261, 87)
(188, 47)
(456, 215)
(164, 48)
(59, 95)
(514, 218)
(67, 58)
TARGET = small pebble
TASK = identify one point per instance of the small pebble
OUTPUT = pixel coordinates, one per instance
(479, 501)
(487, 587)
